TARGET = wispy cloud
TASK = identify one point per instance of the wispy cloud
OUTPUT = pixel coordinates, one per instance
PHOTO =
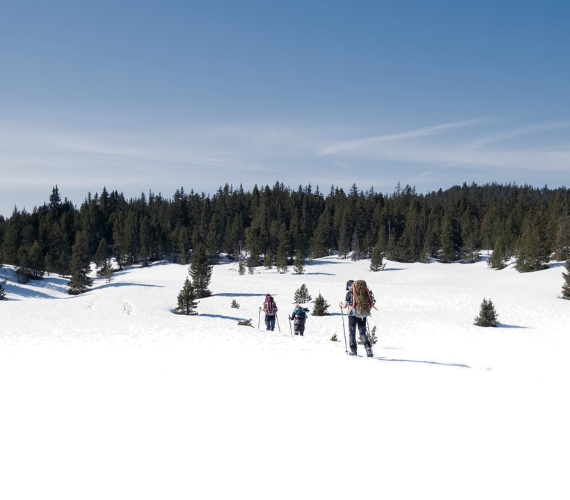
(359, 144)
(475, 146)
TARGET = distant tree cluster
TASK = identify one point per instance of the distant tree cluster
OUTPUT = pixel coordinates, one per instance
(281, 227)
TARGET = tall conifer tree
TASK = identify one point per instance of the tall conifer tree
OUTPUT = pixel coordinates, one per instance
(201, 272)
(566, 285)
(80, 281)
(499, 256)
(376, 259)
(299, 263)
(187, 300)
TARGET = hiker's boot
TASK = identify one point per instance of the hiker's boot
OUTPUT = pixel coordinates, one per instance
(369, 352)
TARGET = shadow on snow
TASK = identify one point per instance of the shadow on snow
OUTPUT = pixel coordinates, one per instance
(240, 295)
(423, 362)
(222, 317)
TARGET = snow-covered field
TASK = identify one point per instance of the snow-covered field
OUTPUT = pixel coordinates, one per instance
(109, 395)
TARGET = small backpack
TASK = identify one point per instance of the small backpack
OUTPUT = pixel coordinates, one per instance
(361, 298)
(301, 314)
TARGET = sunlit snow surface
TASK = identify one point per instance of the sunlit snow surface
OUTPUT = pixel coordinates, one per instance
(109, 395)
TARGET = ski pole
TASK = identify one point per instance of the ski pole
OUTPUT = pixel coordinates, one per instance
(290, 328)
(344, 331)
(259, 318)
(277, 318)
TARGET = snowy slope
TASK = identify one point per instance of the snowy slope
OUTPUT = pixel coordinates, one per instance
(110, 395)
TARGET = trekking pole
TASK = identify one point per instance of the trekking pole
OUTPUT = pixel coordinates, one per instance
(344, 331)
(259, 318)
(290, 328)
(277, 318)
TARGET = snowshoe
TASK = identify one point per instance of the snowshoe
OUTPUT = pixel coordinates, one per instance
(369, 352)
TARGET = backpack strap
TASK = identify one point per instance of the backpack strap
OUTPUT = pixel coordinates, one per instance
(370, 298)
(353, 290)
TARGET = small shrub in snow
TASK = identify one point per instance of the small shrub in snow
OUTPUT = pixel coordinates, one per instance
(235, 304)
(245, 322)
(321, 306)
(372, 338)
(334, 338)
(487, 314)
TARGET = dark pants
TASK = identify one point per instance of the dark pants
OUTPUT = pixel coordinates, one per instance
(299, 328)
(353, 321)
(270, 321)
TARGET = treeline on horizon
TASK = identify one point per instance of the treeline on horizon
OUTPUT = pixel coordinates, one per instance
(278, 223)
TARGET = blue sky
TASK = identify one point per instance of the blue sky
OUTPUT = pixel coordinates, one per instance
(157, 95)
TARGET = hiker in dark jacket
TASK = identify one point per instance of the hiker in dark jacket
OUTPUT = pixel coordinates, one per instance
(300, 317)
(355, 319)
(270, 309)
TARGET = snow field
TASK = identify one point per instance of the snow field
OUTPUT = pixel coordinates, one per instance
(110, 395)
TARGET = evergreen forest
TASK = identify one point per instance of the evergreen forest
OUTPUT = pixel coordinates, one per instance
(280, 224)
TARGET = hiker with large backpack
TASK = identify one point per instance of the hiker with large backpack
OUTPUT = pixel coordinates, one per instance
(300, 317)
(359, 301)
(270, 310)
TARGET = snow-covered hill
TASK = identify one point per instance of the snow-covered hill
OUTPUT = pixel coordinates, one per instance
(109, 395)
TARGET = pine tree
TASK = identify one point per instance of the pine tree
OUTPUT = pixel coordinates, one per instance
(63, 264)
(283, 264)
(532, 252)
(187, 300)
(108, 271)
(321, 306)
(343, 238)
(499, 256)
(268, 259)
(23, 271)
(448, 250)
(2, 291)
(252, 262)
(356, 254)
(302, 295)
(487, 315)
(376, 259)
(201, 272)
(36, 260)
(241, 268)
(281, 261)
(299, 263)
(101, 255)
(80, 282)
(566, 285)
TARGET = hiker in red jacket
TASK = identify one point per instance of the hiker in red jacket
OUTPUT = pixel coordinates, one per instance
(270, 309)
